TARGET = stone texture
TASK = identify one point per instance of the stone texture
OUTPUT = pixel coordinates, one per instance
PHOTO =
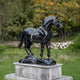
(67, 78)
(38, 72)
(13, 77)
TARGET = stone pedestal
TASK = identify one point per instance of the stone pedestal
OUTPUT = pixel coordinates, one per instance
(37, 72)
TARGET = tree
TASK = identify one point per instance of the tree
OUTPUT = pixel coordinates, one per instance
(67, 11)
(1, 17)
(16, 17)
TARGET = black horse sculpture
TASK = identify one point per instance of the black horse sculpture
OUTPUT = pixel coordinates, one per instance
(41, 35)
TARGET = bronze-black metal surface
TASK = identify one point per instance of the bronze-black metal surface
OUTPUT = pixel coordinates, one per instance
(41, 35)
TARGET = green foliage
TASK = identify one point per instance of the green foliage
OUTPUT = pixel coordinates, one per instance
(15, 15)
(76, 45)
(67, 11)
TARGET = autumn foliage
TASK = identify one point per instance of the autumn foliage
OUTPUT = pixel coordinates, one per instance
(67, 11)
(20, 14)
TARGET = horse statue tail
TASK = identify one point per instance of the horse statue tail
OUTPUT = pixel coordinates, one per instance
(21, 35)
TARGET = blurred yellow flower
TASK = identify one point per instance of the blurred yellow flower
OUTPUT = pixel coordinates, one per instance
(37, 10)
(54, 7)
(52, 3)
(75, 2)
(42, 1)
(65, 4)
(72, 5)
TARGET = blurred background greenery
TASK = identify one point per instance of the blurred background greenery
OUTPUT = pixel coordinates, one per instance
(16, 15)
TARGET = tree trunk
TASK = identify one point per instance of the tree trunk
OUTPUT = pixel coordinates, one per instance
(0, 29)
(62, 35)
(2, 36)
(1, 21)
(65, 34)
(59, 34)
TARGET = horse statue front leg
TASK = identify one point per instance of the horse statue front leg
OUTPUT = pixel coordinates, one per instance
(48, 49)
(42, 49)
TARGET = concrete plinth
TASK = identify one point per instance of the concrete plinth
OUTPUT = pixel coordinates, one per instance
(13, 77)
(37, 72)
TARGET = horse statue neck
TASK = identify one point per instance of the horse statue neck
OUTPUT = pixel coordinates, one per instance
(48, 27)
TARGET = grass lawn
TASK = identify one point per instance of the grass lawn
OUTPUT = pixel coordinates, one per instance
(69, 59)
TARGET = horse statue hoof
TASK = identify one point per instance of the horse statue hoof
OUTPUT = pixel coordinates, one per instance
(42, 59)
(29, 59)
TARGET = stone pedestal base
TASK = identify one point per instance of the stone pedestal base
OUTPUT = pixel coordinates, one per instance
(13, 77)
(37, 72)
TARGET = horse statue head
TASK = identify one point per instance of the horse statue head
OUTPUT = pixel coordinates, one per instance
(49, 21)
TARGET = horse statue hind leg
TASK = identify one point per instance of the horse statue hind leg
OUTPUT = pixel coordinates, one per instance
(30, 58)
(28, 44)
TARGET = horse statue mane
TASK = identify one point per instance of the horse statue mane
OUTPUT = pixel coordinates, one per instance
(48, 20)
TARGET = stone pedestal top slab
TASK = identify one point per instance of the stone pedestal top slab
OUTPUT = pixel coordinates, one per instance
(38, 66)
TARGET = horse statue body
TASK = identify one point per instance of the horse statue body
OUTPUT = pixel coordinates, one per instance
(41, 35)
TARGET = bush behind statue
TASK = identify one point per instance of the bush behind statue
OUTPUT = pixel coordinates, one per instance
(76, 45)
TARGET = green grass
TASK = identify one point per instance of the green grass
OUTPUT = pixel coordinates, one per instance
(69, 59)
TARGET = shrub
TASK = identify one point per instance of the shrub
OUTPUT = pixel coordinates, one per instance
(76, 45)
